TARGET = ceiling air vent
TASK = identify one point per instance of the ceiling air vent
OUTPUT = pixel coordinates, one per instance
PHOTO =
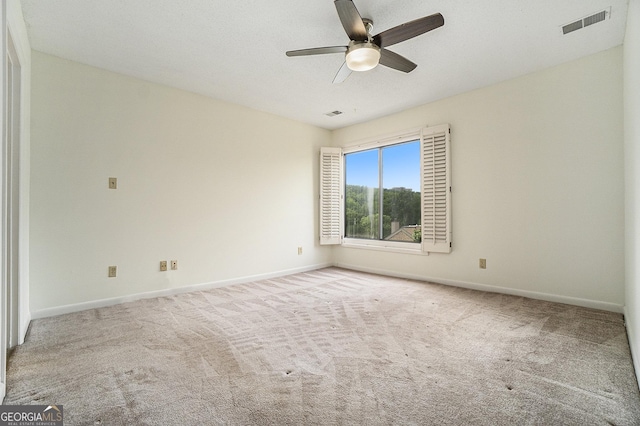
(585, 22)
(333, 113)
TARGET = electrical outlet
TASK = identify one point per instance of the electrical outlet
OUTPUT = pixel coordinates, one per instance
(113, 183)
(112, 271)
(163, 265)
(483, 264)
(299, 250)
(174, 265)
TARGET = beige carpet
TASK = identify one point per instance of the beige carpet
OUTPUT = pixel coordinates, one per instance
(331, 347)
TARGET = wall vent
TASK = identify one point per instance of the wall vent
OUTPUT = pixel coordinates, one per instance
(572, 27)
(333, 113)
(600, 16)
(585, 22)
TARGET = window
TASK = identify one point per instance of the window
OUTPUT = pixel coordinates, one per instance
(392, 194)
(382, 193)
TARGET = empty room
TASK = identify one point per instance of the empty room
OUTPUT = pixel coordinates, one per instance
(331, 212)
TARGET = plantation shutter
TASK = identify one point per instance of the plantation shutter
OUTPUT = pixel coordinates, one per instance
(330, 195)
(436, 189)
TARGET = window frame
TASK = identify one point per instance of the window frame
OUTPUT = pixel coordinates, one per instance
(410, 135)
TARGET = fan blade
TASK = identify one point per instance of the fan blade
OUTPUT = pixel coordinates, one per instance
(351, 20)
(409, 30)
(317, 51)
(342, 74)
(397, 62)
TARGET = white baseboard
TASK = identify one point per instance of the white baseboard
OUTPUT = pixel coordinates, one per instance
(59, 310)
(595, 304)
(635, 357)
(76, 307)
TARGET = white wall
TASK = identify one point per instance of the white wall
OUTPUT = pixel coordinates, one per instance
(537, 172)
(632, 177)
(231, 192)
(227, 191)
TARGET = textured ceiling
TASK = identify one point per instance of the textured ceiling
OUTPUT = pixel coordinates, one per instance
(235, 50)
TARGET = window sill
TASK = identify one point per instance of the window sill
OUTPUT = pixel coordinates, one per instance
(406, 248)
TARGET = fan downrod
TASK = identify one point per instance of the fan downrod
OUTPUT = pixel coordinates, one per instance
(368, 24)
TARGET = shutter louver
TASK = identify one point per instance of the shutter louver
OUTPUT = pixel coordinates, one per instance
(330, 196)
(436, 195)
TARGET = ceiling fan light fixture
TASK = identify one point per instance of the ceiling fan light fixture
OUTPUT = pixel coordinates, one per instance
(362, 56)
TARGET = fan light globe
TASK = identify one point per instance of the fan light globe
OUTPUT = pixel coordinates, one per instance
(363, 56)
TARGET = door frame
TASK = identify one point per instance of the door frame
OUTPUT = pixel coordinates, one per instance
(15, 88)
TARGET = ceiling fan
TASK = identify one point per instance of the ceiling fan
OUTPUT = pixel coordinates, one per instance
(365, 51)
